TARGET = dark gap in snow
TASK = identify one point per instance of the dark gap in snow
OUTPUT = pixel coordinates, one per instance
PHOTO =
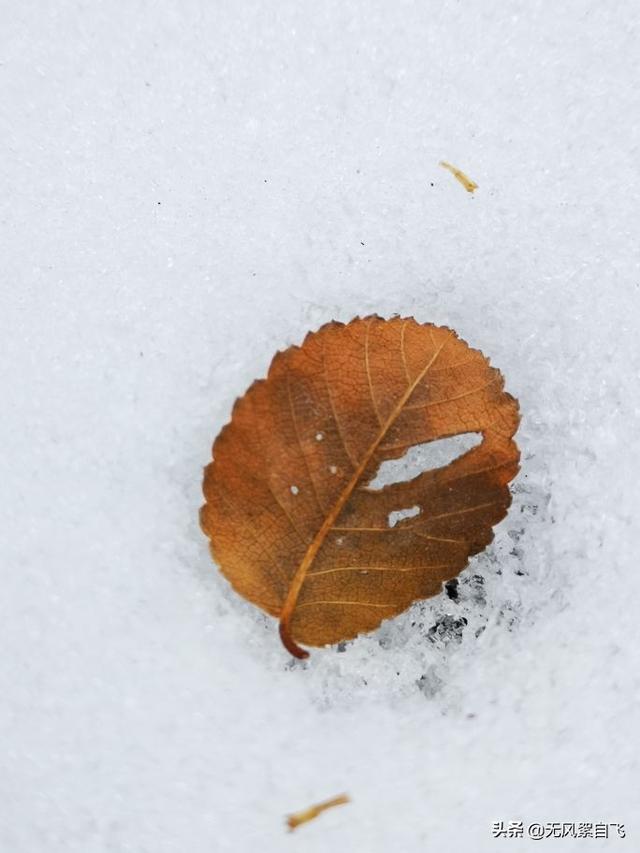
(446, 629)
(451, 588)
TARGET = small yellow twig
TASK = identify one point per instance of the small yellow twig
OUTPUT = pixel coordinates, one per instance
(294, 820)
(466, 182)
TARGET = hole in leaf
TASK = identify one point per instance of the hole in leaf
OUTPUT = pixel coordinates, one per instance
(319, 436)
(424, 457)
(398, 514)
(294, 490)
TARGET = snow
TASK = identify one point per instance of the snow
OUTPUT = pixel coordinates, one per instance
(188, 187)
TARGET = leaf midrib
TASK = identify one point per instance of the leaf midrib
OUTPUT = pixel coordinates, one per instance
(298, 579)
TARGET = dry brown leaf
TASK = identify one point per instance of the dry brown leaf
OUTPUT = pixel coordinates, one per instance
(294, 820)
(293, 524)
(459, 175)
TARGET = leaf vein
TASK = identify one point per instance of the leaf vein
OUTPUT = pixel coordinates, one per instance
(429, 403)
(403, 353)
(355, 603)
(300, 574)
(394, 529)
(254, 536)
(398, 569)
(368, 370)
(333, 410)
(301, 448)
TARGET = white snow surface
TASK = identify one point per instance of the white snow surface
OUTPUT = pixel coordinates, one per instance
(188, 187)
